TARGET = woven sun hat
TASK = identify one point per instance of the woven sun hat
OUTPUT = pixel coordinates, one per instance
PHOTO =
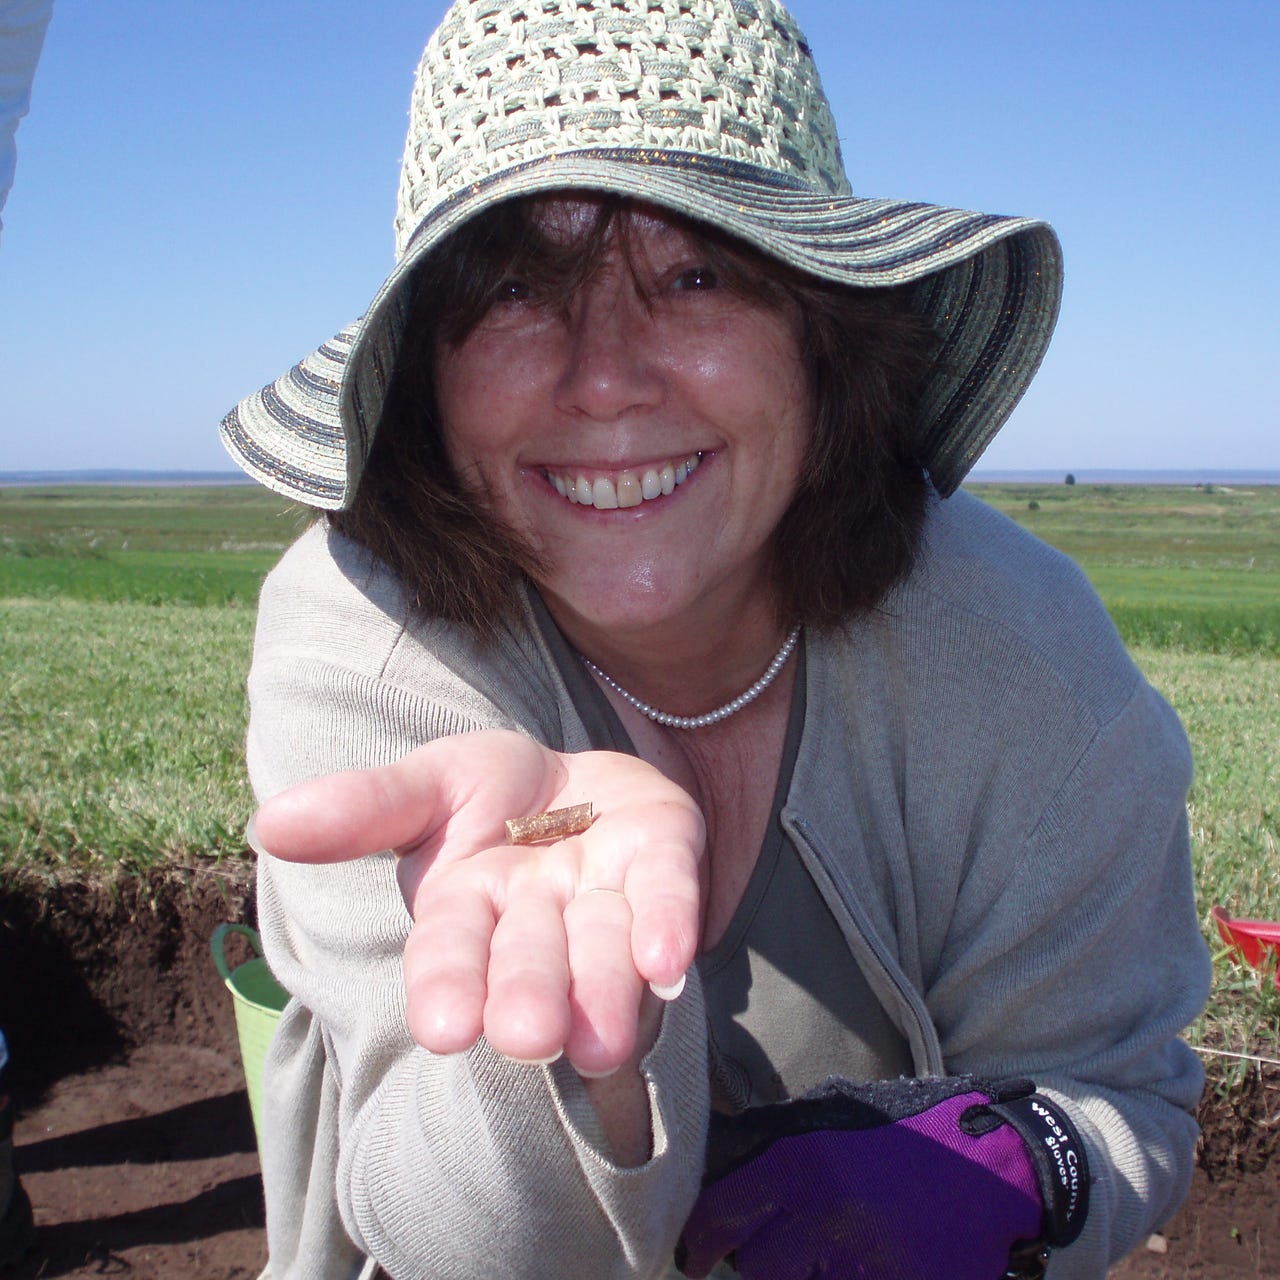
(712, 109)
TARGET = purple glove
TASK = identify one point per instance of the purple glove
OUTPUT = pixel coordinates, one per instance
(953, 1179)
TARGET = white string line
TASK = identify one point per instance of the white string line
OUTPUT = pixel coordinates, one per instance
(1244, 1057)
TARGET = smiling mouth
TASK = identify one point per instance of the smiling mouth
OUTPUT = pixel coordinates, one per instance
(627, 488)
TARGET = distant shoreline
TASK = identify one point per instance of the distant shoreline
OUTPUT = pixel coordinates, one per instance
(193, 479)
(1208, 475)
(156, 479)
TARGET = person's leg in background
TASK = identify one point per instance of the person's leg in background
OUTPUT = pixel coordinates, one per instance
(17, 1228)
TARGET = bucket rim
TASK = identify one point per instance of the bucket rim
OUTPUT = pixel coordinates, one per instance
(218, 941)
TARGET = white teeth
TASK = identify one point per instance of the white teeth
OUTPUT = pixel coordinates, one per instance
(630, 488)
(629, 494)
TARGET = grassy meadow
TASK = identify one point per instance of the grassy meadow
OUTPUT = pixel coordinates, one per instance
(126, 619)
(126, 623)
(1189, 568)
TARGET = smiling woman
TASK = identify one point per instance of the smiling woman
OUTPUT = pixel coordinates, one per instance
(638, 371)
(857, 357)
(868, 947)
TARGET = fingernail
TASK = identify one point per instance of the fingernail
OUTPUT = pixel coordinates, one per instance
(251, 838)
(596, 1075)
(668, 993)
(540, 1062)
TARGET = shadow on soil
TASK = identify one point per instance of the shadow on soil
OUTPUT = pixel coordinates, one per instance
(90, 970)
(203, 1130)
(138, 1137)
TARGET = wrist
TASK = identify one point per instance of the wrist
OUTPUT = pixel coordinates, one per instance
(1058, 1155)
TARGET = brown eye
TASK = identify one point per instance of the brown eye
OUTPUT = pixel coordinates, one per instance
(511, 290)
(697, 279)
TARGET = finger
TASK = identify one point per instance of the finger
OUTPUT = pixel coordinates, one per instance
(605, 994)
(348, 815)
(446, 961)
(526, 1013)
(476, 780)
(662, 885)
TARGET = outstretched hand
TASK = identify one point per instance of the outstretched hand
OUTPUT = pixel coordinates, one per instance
(517, 942)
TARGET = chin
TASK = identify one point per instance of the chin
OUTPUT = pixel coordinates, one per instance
(618, 609)
(624, 618)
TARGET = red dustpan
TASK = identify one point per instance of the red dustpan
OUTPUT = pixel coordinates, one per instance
(1252, 939)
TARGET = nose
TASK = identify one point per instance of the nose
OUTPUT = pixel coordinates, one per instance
(612, 354)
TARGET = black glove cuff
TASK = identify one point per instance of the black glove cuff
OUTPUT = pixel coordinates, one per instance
(734, 1140)
(1062, 1166)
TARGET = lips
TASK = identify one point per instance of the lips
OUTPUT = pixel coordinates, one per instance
(626, 488)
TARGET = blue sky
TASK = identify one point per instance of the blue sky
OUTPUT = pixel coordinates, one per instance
(205, 192)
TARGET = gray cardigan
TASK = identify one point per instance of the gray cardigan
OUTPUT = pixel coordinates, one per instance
(987, 793)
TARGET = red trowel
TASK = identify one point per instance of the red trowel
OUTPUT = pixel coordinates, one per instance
(1251, 939)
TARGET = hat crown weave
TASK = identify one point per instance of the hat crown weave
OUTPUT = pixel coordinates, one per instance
(507, 81)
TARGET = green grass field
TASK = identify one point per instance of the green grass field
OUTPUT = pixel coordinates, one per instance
(1196, 569)
(198, 546)
(126, 620)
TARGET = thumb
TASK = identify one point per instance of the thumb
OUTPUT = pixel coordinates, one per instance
(348, 815)
(485, 776)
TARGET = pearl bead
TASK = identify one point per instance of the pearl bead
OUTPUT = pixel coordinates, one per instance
(709, 717)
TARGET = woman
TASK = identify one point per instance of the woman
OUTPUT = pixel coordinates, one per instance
(640, 472)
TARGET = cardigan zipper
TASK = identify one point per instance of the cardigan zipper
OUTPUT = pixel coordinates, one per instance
(857, 928)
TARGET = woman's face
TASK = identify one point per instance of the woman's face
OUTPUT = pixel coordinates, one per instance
(645, 439)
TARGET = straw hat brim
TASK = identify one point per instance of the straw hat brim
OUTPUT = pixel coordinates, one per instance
(990, 284)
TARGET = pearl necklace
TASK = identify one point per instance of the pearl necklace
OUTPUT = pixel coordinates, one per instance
(709, 717)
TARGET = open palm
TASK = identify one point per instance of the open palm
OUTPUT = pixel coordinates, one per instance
(517, 943)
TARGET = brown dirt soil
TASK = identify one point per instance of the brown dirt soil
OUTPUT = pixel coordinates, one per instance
(134, 1139)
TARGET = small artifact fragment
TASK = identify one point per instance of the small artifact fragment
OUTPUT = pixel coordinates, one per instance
(555, 824)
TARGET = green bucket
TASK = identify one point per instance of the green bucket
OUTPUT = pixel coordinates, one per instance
(258, 1000)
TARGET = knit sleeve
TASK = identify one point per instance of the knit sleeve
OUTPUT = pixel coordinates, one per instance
(1074, 957)
(446, 1167)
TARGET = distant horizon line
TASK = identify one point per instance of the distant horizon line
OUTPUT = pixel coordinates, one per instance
(989, 475)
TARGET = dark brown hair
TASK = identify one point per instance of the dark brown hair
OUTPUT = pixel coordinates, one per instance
(852, 528)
